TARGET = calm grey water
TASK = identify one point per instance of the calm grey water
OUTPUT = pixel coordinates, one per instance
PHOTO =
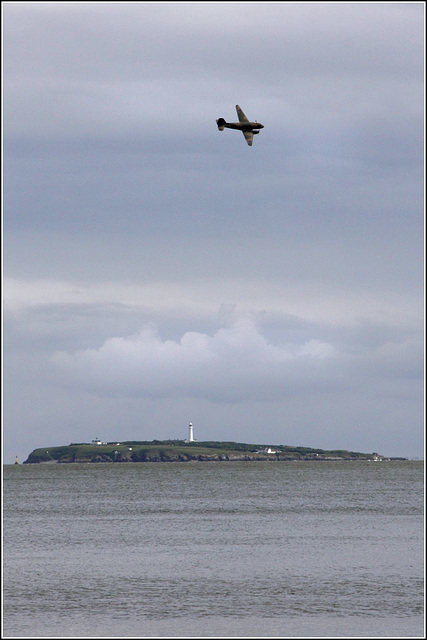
(275, 549)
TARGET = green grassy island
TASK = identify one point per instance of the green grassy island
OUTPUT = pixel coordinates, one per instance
(182, 451)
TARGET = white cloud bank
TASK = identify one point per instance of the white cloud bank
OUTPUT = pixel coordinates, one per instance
(235, 364)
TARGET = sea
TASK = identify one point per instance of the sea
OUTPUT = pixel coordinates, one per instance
(214, 549)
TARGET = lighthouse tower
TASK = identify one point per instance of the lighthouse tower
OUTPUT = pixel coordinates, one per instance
(190, 433)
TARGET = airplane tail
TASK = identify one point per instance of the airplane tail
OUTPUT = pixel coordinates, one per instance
(221, 124)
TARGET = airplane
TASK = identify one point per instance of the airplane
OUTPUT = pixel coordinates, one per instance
(249, 129)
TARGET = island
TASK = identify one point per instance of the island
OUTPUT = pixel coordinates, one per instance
(184, 451)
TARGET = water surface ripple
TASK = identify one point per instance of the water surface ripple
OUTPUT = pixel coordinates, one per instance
(214, 549)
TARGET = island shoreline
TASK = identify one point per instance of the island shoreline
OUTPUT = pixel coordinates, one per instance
(182, 451)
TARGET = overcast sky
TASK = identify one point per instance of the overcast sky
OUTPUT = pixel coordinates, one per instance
(157, 271)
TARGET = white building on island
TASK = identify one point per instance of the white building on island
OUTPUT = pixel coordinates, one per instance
(267, 450)
(190, 434)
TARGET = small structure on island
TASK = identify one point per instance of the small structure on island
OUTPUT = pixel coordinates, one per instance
(267, 450)
(16, 460)
(190, 434)
(97, 441)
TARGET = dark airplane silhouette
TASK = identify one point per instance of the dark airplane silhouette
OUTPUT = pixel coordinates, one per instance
(249, 129)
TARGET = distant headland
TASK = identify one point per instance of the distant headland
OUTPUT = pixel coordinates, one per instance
(186, 451)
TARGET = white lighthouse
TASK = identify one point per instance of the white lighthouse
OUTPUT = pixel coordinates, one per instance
(190, 433)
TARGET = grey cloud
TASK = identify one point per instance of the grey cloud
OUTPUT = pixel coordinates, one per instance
(351, 395)
(136, 36)
(117, 64)
(235, 363)
(115, 174)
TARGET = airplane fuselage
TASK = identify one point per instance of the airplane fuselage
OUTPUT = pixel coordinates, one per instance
(249, 126)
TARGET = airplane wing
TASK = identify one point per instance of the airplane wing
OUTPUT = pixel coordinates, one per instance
(249, 135)
(242, 118)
